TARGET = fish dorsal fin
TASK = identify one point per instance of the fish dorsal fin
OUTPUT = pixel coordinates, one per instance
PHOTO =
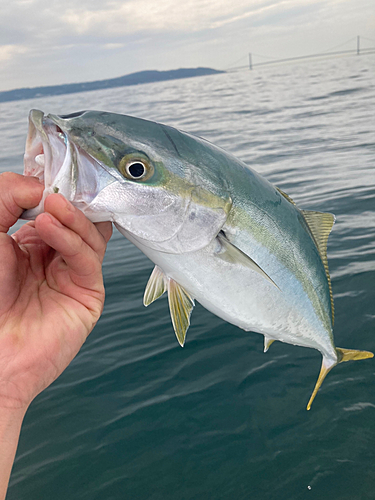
(230, 253)
(285, 196)
(180, 306)
(320, 225)
(155, 287)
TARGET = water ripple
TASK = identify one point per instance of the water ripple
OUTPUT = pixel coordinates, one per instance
(136, 416)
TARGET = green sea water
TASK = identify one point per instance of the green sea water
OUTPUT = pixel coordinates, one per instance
(135, 416)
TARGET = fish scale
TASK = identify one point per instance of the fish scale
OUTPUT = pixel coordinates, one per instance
(218, 232)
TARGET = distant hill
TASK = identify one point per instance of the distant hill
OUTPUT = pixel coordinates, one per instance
(131, 79)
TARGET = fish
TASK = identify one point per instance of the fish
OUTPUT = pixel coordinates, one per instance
(217, 231)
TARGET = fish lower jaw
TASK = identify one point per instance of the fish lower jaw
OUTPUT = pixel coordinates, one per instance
(39, 162)
(35, 165)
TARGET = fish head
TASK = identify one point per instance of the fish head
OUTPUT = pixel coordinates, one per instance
(129, 171)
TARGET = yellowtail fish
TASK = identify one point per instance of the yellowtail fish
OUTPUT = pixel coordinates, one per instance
(217, 231)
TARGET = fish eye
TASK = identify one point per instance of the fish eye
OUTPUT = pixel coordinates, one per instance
(136, 168)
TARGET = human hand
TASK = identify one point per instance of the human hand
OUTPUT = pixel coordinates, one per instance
(51, 288)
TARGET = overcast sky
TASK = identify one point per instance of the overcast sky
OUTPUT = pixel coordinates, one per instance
(48, 42)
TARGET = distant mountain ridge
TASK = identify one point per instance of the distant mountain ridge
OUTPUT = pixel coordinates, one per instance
(132, 79)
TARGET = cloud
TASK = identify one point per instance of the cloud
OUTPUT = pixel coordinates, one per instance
(8, 52)
(149, 16)
(114, 46)
(50, 41)
(43, 22)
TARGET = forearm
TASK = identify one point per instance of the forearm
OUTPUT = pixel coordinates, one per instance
(10, 428)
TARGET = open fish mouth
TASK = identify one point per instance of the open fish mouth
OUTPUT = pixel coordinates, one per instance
(63, 167)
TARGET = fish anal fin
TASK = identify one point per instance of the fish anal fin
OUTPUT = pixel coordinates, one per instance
(327, 365)
(320, 225)
(267, 343)
(230, 253)
(155, 287)
(180, 306)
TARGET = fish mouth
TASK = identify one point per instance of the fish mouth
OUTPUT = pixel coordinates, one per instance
(62, 166)
(48, 151)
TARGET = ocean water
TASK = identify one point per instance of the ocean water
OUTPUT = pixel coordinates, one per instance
(135, 416)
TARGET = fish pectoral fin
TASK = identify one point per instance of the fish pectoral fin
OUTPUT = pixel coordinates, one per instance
(180, 306)
(327, 365)
(155, 287)
(232, 254)
(267, 343)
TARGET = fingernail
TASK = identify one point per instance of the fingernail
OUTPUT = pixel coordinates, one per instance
(69, 206)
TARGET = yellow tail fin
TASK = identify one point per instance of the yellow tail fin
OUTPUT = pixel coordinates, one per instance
(342, 355)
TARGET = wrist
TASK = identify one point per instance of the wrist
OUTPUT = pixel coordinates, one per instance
(10, 428)
(10, 416)
(10, 425)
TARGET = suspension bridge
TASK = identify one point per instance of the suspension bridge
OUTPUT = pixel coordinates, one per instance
(358, 49)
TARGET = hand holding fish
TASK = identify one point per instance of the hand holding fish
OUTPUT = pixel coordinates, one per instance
(51, 296)
(51, 291)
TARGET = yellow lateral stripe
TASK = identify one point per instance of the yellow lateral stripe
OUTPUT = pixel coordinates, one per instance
(320, 225)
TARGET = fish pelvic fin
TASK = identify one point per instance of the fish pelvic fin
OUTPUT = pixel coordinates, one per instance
(327, 365)
(180, 302)
(155, 287)
(180, 306)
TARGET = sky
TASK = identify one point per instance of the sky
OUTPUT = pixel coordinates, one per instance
(50, 42)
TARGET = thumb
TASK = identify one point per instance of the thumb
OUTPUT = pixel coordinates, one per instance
(17, 193)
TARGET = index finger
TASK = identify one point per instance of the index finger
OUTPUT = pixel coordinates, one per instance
(17, 193)
(96, 236)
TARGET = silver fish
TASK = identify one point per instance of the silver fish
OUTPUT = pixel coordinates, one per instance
(217, 231)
